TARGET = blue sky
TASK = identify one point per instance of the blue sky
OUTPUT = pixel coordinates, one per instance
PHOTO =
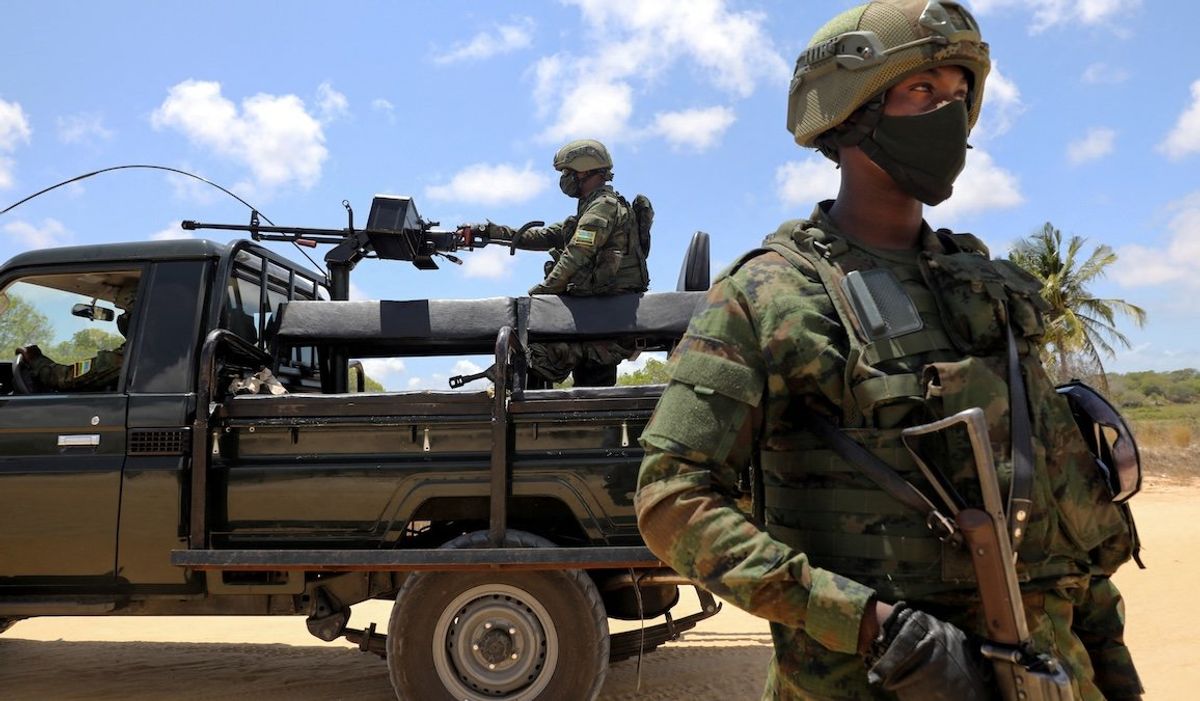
(1091, 121)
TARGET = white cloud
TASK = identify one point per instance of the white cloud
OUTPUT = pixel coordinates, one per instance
(1095, 144)
(1002, 105)
(1048, 13)
(171, 232)
(491, 263)
(14, 126)
(983, 185)
(594, 108)
(505, 39)
(1101, 73)
(1177, 262)
(386, 108)
(274, 136)
(484, 183)
(415, 383)
(14, 130)
(26, 236)
(804, 183)
(7, 166)
(695, 129)
(331, 104)
(82, 128)
(385, 371)
(1184, 139)
(632, 43)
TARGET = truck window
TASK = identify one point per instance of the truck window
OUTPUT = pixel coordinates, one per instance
(73, 328)
(257, 289)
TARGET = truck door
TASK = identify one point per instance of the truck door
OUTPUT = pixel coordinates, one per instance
(63, 423)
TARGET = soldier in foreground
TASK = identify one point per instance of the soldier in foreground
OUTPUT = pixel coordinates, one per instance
(601, 250)
(849, 327)
(100, 374)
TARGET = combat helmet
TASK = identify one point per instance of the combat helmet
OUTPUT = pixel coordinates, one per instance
(582, 156)
(858, 55)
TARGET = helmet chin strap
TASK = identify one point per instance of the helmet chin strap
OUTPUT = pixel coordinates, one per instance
(853, 131)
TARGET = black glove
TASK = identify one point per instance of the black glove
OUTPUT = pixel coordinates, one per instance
(920, 658)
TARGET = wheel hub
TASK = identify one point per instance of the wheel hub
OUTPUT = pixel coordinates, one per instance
(495, 642)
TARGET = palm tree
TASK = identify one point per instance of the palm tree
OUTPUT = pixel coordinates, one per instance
(1080, 328)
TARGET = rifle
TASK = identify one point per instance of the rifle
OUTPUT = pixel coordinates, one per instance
(1022, 673)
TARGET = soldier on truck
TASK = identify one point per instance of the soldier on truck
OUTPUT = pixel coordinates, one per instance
(600, 250)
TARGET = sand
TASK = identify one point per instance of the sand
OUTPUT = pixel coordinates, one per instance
(200, 658)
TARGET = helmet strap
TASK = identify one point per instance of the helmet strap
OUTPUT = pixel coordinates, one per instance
(853, 131)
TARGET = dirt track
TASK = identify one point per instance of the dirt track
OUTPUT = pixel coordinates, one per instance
(196, 659)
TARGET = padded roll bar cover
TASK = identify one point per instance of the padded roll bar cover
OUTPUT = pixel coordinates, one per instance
(421, 319)
(694, 275)
(643, 315)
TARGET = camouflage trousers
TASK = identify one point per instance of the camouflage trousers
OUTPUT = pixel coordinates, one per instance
(1059, 622)
(591, 364)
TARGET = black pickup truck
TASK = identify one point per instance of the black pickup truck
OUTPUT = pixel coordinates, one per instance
(499, 521)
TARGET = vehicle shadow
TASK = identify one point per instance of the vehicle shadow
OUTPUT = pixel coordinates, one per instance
(711, 666)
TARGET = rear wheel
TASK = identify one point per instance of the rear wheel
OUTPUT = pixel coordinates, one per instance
(488, 636)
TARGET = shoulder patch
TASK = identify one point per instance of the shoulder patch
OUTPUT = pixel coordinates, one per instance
(584, 237)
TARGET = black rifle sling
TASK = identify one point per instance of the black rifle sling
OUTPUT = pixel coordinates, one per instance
(883, 475)
(1021, 488)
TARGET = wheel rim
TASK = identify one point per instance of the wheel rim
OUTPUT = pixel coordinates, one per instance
(495, 641)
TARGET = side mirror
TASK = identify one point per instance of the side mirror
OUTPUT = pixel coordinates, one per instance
(92, 312)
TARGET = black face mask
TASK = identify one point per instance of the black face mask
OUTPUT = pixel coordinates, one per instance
(923, 153)
(568, 182)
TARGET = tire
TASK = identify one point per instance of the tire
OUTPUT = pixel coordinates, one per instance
(553, 621)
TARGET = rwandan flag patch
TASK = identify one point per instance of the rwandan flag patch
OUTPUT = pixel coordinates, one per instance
(585, 237)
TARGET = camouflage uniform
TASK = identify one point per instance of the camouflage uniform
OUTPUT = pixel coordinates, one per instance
(99, 374)
(595, 252)
(771, 345)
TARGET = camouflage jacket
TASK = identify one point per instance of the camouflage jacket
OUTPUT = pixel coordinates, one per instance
(100, 374)
(768, 347)
(596, 251)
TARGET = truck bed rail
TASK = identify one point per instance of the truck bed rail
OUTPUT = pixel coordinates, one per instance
(465, 559)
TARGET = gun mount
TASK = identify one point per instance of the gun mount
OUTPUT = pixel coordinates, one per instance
(394, 231)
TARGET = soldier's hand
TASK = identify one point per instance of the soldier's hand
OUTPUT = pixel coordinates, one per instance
(920, 657)
(540, 289)
(466, 234)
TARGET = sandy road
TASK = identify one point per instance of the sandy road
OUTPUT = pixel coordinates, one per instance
(197, 659)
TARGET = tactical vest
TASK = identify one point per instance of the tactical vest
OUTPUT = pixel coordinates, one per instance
(620, 263)
(823, 506)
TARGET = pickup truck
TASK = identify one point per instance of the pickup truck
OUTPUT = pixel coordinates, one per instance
(499, 521)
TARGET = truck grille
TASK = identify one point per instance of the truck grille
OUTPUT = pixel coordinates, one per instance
(175, 441)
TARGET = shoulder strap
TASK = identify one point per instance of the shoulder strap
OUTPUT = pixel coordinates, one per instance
(1020, 490)
(879, 472)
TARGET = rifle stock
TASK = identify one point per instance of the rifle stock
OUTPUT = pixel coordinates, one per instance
(979, 532)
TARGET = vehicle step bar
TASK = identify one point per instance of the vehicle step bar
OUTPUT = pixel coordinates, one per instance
(465, 559)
